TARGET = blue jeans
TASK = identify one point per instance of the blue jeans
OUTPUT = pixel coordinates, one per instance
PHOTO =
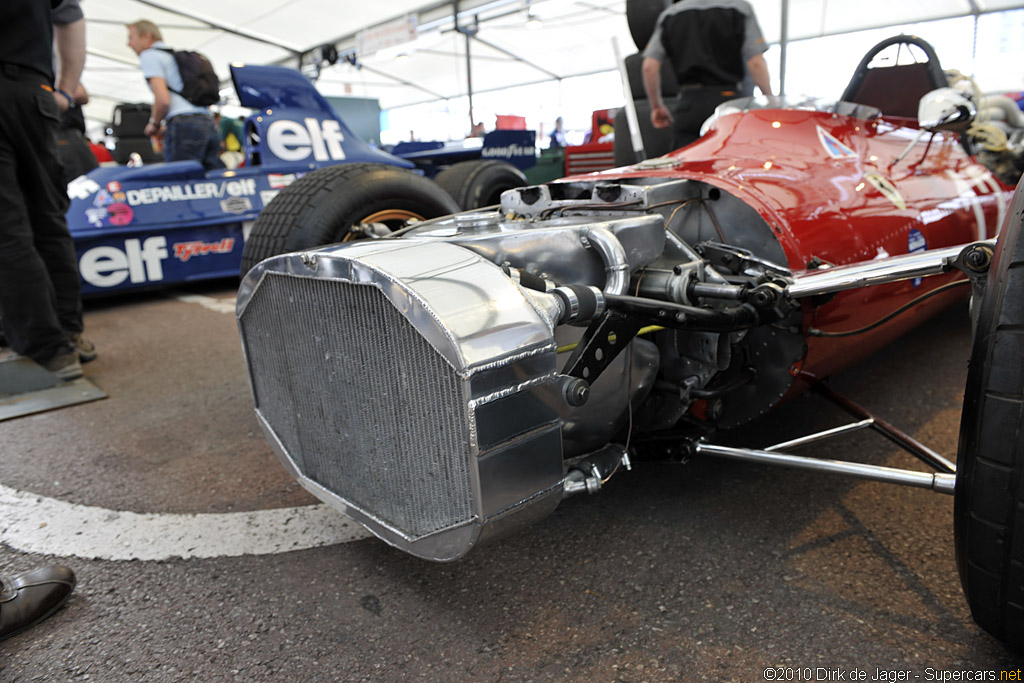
(193, 136)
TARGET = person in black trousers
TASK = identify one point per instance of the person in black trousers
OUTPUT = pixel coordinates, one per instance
(39, 290)
(715, 48)
(40, 294)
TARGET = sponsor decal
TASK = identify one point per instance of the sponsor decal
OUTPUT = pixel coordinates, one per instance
(916, 243)
(888, 190)
(267, 195)
(279, 180)
(102, 199)
(120, 214)
(833, 147)
(96, 215)
(183, 251)
(293, 141)
(508, 151)
(236, 205)
(119, 197)
(81, 187)
(140, 261)
(180, 193)
(113, 186)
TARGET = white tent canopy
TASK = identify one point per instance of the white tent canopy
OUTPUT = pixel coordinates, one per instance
(575, 37)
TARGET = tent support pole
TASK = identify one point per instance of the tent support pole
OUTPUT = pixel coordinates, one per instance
(467, 32)
(783, 42)
(469, 82)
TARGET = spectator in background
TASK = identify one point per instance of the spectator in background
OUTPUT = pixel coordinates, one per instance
(557, 135)
(230, 132)
(187, 130)
(712, 46)
(101, 153)
(231, 135)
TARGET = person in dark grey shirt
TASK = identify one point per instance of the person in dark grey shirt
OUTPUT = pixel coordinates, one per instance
(40, 298)
(39, 286)
(712, 45)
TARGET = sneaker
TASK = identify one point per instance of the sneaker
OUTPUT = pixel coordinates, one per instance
(85, 349)
(65, 366)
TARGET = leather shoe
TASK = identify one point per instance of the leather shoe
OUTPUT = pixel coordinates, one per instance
(28, 598)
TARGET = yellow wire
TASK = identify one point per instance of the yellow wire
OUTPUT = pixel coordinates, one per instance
(611, 337)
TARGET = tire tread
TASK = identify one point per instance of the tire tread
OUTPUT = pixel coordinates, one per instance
(302, 204)
(473, 183)
(989, 496)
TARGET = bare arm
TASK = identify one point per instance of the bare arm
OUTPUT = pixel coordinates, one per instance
(759, 72)
(161, 104)
(660, 115)
(69, 42)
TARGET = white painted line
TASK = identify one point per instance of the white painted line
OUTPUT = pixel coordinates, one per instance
(216, 305)
(37, 524)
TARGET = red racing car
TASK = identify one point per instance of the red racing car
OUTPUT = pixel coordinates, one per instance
(452, 382)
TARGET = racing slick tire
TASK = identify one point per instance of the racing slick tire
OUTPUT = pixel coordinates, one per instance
(479, 183)
(321, 208)
(988, 508)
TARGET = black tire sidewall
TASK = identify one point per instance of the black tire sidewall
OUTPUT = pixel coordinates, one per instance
(349, 203)
(476, 184)
(987, 494)
(321, 207)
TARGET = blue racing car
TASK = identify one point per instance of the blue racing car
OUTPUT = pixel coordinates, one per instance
(167, 223)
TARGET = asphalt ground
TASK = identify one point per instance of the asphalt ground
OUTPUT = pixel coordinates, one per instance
(716, 570)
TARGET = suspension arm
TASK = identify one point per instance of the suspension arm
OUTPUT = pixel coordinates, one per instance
(971, 258)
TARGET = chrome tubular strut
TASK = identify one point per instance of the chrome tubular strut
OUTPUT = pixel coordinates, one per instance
(889, 431)
(821, 436)
(893, 269)
(940, 482)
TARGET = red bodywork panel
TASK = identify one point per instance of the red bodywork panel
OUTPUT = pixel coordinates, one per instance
(828, 187)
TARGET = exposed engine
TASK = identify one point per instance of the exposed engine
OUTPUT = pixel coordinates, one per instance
(431, 386)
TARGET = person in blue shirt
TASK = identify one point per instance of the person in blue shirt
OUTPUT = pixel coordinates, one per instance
(557, 135)
(188, 130)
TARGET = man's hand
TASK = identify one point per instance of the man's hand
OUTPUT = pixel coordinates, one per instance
(62, 102)
(651, 70)
(153, 130)
(661, 117)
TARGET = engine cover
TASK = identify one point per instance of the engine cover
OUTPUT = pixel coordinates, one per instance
(409, 384)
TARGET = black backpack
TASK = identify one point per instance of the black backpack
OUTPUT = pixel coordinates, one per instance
(200, 84)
